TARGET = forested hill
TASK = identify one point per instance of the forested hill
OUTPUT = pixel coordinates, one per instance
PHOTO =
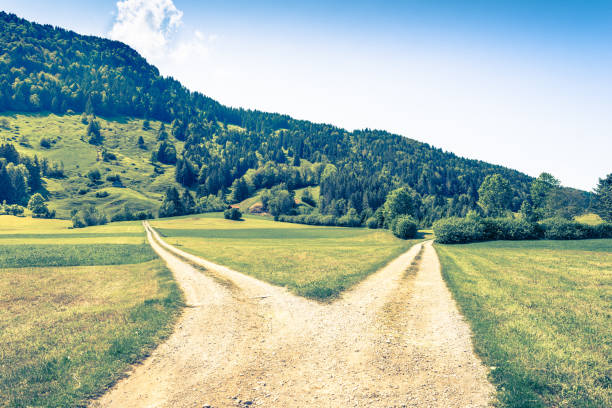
(231, 152)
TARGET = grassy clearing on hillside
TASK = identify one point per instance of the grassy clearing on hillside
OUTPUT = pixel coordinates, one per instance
(68, 333)
(316, 262)
(589, 219)
(540, 312)
(143, 187)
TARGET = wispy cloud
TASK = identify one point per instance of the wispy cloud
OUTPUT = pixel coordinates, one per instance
(152, 28)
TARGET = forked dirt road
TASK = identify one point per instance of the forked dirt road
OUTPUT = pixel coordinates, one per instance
(395, 340)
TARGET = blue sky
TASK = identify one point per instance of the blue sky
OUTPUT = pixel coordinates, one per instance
(525, 84)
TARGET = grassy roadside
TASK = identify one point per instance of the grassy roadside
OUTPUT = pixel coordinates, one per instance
(311, 261)
(69, 331)
(540, 313)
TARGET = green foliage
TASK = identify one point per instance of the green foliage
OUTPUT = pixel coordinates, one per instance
(464, 230)
(232, 214)
(401, 201)
(172, 204)
(126, 214)
(94, 136)
(210, 203)
(405, 227)
(541, 188)
(164, 153)
(509, 229)
(94, 175)
(350, 219)
(47, 69)
(560, 228)
(11, 209)
(141, 142)
(372, 223)
(603, 198)
(456, 230)
(45, 142)
(308, 199)
(309, 219)
(88, 216)
(240, 190)
(38, 207)
(278, 201)
(495, 195)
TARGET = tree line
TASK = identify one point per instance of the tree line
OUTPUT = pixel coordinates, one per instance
(229, 153)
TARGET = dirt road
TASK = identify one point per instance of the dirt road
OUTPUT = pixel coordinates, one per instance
(397, 339)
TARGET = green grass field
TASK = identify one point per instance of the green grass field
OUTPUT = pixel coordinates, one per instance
(311, 261)
(143, 187)
(540, 312)
(590, 219)
(68, 331)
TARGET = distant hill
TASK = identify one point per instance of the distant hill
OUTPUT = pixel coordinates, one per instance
(49, 76)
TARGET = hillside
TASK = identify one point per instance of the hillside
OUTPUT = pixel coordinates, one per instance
(56, 75)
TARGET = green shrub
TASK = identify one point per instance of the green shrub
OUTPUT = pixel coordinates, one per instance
(309, 219)
(11, 209)
(94, 175)
(45, 142)
(232, 214)
(88, 216)
(404, 227)
(560, 228)
(456, 230)
(350, 219)
(509, 229)
(603, 230)
(372, 223)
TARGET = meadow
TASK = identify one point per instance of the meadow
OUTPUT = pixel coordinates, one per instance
(143, 183)
(76, 308)
(311, 261)
(540, 313)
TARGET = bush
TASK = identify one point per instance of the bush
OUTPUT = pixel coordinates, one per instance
(88, 216)
(456, 230)
(39, 208)
(603, 230)
(102, 194)
(404, 227)
(560, 228)
(462, 230)
(94, 175)
(11, 209)
(210, 203)
(310, 219)
(350, 219)
(115, 179)
(45, 143)
(509, 229)
(232, 214)
(372, 223)
(108, 156)
(126, 214)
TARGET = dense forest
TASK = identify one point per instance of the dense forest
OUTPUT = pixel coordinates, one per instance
(232, 153)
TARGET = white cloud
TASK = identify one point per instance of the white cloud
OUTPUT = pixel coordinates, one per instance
(149, 26)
